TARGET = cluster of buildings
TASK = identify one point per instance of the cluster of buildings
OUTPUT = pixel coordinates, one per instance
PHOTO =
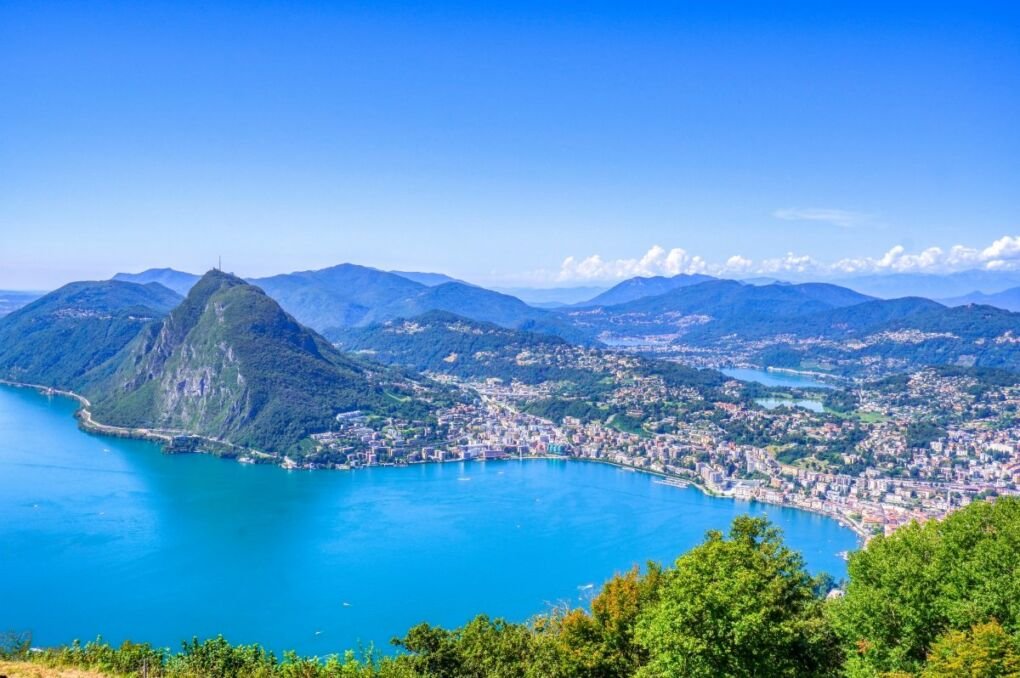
(914, 451)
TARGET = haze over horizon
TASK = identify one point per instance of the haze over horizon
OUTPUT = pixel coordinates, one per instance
(535, 145)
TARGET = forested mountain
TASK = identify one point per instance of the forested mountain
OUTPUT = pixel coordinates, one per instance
(480, 304)
(357, 296)
(640, 287)
(446, 343)
(899, 332)
(809, 325)
(178, 281)
(727, 305)
(814, 320)
(339, 296)
(229, 363)
(59, 338)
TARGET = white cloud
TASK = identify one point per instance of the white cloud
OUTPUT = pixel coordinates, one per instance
(656, 261)
(1002, 254)
(738, 264)
(791, 263)
(828, 215)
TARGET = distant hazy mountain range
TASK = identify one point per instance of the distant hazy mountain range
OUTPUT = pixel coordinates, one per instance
(954, 289)
(1007, 299)
(552, 297)
(694, 309)
(933, 286)
(177, 281)
(12, 301)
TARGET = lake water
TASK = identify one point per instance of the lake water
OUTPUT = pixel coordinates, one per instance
(772, 378)
(108, 536)
(773, 403)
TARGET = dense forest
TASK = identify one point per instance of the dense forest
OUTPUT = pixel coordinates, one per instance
(935, 600)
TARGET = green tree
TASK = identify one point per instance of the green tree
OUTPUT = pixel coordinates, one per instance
(985, 651)
(482, 648)
(738, 606)
(602, 643)
(909, 588)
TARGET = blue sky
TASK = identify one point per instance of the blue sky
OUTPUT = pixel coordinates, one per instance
(524, 143)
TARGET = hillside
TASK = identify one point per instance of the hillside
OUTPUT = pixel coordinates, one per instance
(229, 363)
(882, 334)
(446, 343)
(59, 338)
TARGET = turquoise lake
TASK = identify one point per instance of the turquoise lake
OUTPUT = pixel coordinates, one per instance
(773, 403)
(772, 378)
(102, 536)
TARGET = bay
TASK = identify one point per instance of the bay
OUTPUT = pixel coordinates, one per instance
(104, 536)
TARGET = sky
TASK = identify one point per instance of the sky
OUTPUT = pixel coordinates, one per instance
(528, 143)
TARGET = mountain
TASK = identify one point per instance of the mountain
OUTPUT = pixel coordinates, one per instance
(714, 308)
(478, 303)
(229, 363)
(428, 279)
(12, 301)
(901, 333)
(177, 281)
(933, 286)
(1007, 299)
(59, 338)
(446, 343)
(348, 295)
(339, 296)
(639, 288)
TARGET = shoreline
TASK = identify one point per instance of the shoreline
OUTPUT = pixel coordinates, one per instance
(89, 425)
(167, 438)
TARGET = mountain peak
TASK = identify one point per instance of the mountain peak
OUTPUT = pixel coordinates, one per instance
(229, 363)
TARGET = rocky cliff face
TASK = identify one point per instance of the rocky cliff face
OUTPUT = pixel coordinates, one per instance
(229, 363)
